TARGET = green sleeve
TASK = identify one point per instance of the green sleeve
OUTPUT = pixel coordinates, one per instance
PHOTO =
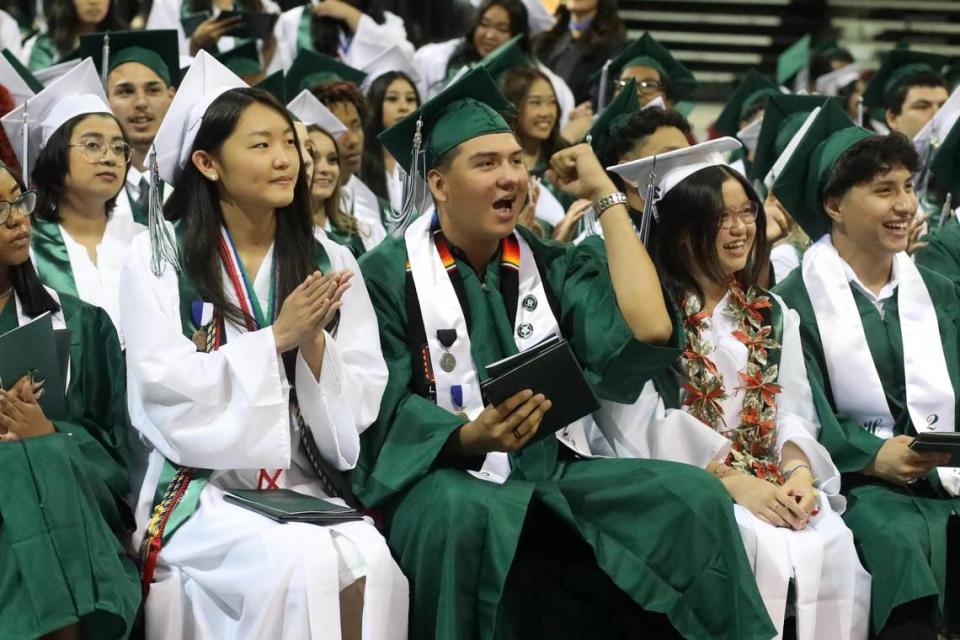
(403, 444)
(942, 253)
(43, 54)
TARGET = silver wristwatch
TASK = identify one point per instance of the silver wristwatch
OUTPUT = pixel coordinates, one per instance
(609, 200)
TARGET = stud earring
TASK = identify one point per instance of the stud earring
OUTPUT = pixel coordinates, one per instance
(213, 177)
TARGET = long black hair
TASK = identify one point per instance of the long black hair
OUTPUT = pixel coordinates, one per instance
(372, 170)
(325, 32)
(606, 27)
(467, 53)
(52, 166)
(685, 232)
(62, 22)
(516, 86)
(195, 202)
(33, 296)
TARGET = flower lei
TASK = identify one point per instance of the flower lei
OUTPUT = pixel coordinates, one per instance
(754, 439)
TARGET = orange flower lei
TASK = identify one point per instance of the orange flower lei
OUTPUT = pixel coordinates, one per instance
(754, 439)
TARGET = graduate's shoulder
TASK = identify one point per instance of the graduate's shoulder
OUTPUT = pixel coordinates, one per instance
(944, 291)
(384, 267)
(793, 293)
(88, 322)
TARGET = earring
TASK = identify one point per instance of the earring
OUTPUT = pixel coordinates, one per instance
(214, 177)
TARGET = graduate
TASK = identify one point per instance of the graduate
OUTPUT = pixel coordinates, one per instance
(211, 32)
(391, 92)
(64, 523)
(748, 412)
(142, 73)
(500, 536)
(941, 250)
(77, 158)
(880, 338)
(909, 87)
(66, 21)
(252, 366)
(742, 116)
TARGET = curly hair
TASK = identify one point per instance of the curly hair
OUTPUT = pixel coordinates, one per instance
(335, 92)
(868, 159)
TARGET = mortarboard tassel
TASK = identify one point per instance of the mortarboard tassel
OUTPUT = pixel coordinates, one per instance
(104, 59)
(860, 112)
(25, 142)
(604, 86)
(414, 188)
(922, 180)
(946, 212)
(649, 205)
(163, 247)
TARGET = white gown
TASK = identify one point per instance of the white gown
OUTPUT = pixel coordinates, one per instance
(363, 204)
(832, 589)
(228, 572)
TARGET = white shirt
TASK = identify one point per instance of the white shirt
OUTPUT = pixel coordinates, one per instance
(877, 300)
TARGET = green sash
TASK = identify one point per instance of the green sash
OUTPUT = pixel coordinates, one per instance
(304, 35)
(51, 257)
(140, 214)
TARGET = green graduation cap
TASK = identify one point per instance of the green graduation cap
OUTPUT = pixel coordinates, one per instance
(466, 109)
(800, 185)
(242, 60)
(310, 69)
(614, 117)
(647, 52)
(945, 165)
(274, 84)
(781, 120)
(752, 89)
(897, 67)
(506, 57)
(952, 74)
(155, 49)
(794, 59)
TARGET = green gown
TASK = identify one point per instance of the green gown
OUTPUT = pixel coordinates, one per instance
(664, 533)
(63, 512)
(44, 53)
(900, 532)
(942, 253)
(351, 241)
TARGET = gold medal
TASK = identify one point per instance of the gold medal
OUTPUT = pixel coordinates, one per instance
(200, 339)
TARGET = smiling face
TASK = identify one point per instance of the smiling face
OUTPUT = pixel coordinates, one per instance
(482, 190)
(736, 233)
(326, 167)
(15, 233)
(919, 107)
(399, 101)
(539, 111)
(257, 165)
(96, 180)
(875, 216)
(351, 142)
(140, 99)
(492, 31)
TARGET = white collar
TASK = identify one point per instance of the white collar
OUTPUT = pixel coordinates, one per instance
(876, 299)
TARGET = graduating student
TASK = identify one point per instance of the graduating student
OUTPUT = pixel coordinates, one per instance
(742, 116)
(880, 336)
(64, 524)
(909, 88)
(213, 33)
(142, 73)
(748, 410)
(77, 158)
(66, 21)
(254, 365)
(459, 481)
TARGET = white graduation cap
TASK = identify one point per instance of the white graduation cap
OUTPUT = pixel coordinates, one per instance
(392, 59)
(309, 110)
(31, 124)
(936, 130)
(538, 17)
(51, 73)
(829, 84)
(205, 81)
(14, 82)
(672, 167)
(750, 134)
(788, 151)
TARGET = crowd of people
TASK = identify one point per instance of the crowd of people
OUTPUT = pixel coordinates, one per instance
(285, 257)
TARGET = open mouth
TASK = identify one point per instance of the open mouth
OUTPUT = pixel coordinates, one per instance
(736, 245)
(899, 226)
(504, 206)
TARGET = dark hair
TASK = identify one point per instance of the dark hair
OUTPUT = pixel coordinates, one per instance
(325, 32)
(334, 92)
(516, 86)
(519, 24)
(868, 159)
(821, 64)
(53, 164)
(34, 298)
(641, 125)
(685, 232)
(62, 22)
(338, 219)
(195, 202)
(894, 98)
(372, 170)
(606, 27)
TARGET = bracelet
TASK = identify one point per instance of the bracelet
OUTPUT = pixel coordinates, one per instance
(720, 470)
(788, 474)
(609, 200)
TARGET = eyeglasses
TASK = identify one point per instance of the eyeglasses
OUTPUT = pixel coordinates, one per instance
(747, 214)
(643, 86)
(94, 151)
(24, 205)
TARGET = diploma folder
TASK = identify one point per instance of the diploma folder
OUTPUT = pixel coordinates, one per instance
(32, 349)
(939, 442)
(550, 368)
(284, 505)
(252, 25)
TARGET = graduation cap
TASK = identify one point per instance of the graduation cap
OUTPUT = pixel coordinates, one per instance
(752, 89)
(945, 166)
(799, 186)
(310, 69)
(647, 52)
(392, 59)
(17, 78)
(507, 56)
(274, 84)
(30, 126)
(830, 84)
(793, 60)
(538, 18)
(750, 135)
(614, 117)
(658, 174)
(794, 128)
(308, 109)
(48, 74)
(898, 67)
(781, 120)
(155, 49)
(935, 131)
(243, 60)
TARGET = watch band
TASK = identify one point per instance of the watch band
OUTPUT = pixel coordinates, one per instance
(609, 200)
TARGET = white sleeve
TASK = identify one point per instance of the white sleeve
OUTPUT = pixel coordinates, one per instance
(286, 34)
(797, 420)
(223, 410)
(10, 33)
(371, 38)
(165, 14)
(431, 62)
(346, 399)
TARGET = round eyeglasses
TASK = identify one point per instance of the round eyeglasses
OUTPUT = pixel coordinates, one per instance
(95, 152)
(747, 215)
(24, 205)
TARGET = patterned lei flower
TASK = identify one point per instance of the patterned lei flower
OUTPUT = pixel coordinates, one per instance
(754, 439)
